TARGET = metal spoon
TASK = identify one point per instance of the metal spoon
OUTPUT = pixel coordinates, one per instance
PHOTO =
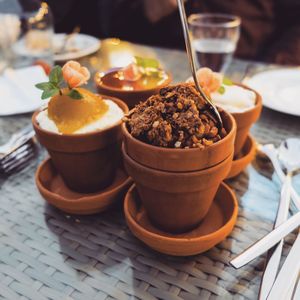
(286, 152)
(289, 155)
(273, 237)
(192, 62)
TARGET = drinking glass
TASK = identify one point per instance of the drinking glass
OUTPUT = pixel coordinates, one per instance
(214, 39)
(26, 32)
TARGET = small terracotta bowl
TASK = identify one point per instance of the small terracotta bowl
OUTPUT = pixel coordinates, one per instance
(245, 120)
(131, 98)
(176, 201)
(182, 160)
(87, 162)
(214, 228)
(243, 159)
(52, 187)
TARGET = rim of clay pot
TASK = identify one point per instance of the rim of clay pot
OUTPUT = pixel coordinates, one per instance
(100, 84)
(186, 150)
(86, 198)
(243, 116)
(162, 173)
(119, 102)
(182, 240)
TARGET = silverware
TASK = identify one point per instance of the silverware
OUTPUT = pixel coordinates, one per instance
(16, 139)
(278, 233)
(268, 241)
(271, 152)
(18, 158)
(18, 151)
(192, 62)
(274, 254)
(287, 277)
(297, 290)
(286, 154)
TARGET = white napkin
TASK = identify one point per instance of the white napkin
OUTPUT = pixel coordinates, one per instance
(18, 93)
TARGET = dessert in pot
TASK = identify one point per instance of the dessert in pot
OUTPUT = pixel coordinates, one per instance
(175, 118)
(135, 82)
(244, 103)
(81, 130)
(72, 109)
(177, 156)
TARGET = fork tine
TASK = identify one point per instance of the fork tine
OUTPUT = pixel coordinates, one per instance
(19, 162)
(18, 166)
(14, 155)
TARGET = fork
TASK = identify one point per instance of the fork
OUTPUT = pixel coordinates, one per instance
(18, 158)
(17, 151)
(15, 140)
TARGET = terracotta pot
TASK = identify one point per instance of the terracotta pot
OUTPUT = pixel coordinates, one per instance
(182, 160)
(217, 224)
(176, 201)
(133, 97)
(244, 121)
(87, 162)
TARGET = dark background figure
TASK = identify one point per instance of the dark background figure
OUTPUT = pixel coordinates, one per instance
(270, 29)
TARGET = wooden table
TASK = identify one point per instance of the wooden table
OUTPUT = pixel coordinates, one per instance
(45, 254)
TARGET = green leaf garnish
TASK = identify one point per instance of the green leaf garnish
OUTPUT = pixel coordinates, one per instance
(50, 93)
(148, 66)
(74, 94)
(56, 76)
(146, 62)
(227, 81)
(221, 90)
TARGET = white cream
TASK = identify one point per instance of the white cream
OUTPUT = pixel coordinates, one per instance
(113, 115)
(235, 99)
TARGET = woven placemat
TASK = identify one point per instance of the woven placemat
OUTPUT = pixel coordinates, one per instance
(45, 254)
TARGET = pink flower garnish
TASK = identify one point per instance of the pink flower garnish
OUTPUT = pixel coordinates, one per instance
(210, 81)
(74, 74)
(131, 72)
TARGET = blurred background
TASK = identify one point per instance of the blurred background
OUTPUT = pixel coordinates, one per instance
(270, 29)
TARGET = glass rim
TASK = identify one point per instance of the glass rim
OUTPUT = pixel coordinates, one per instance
(232, 20)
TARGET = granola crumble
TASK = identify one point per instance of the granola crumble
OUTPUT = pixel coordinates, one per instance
(177, 117)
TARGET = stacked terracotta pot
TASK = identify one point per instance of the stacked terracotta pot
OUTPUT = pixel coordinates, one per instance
(177, 186)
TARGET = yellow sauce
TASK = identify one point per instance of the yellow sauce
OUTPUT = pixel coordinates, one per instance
(70, 115)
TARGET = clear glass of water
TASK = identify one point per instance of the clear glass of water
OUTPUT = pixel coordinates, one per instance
(215, 38)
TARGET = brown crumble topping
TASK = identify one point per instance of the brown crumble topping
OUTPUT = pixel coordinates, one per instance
(177, 117)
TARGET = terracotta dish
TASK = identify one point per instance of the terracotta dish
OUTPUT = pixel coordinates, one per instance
(245, 120)
(244, 158)
(176, 201)
(214, 228)
(182, 160)
(87, 162)
(52, 187)
(130, 97)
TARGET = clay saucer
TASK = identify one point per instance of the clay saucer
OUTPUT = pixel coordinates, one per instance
(214, 228)
(52, 187)
(243, 158)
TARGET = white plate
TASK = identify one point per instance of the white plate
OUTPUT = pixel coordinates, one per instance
(18, 94)
(78, 46)
(279, 88)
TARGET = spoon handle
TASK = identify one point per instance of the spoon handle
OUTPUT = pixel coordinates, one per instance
(268, 241)
(274, 254)
(192, 61)
(272, 154)
(287, 276)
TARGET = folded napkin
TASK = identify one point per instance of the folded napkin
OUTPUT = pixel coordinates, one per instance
(18, 93)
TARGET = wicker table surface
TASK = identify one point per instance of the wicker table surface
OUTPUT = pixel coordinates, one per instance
(45, 254)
